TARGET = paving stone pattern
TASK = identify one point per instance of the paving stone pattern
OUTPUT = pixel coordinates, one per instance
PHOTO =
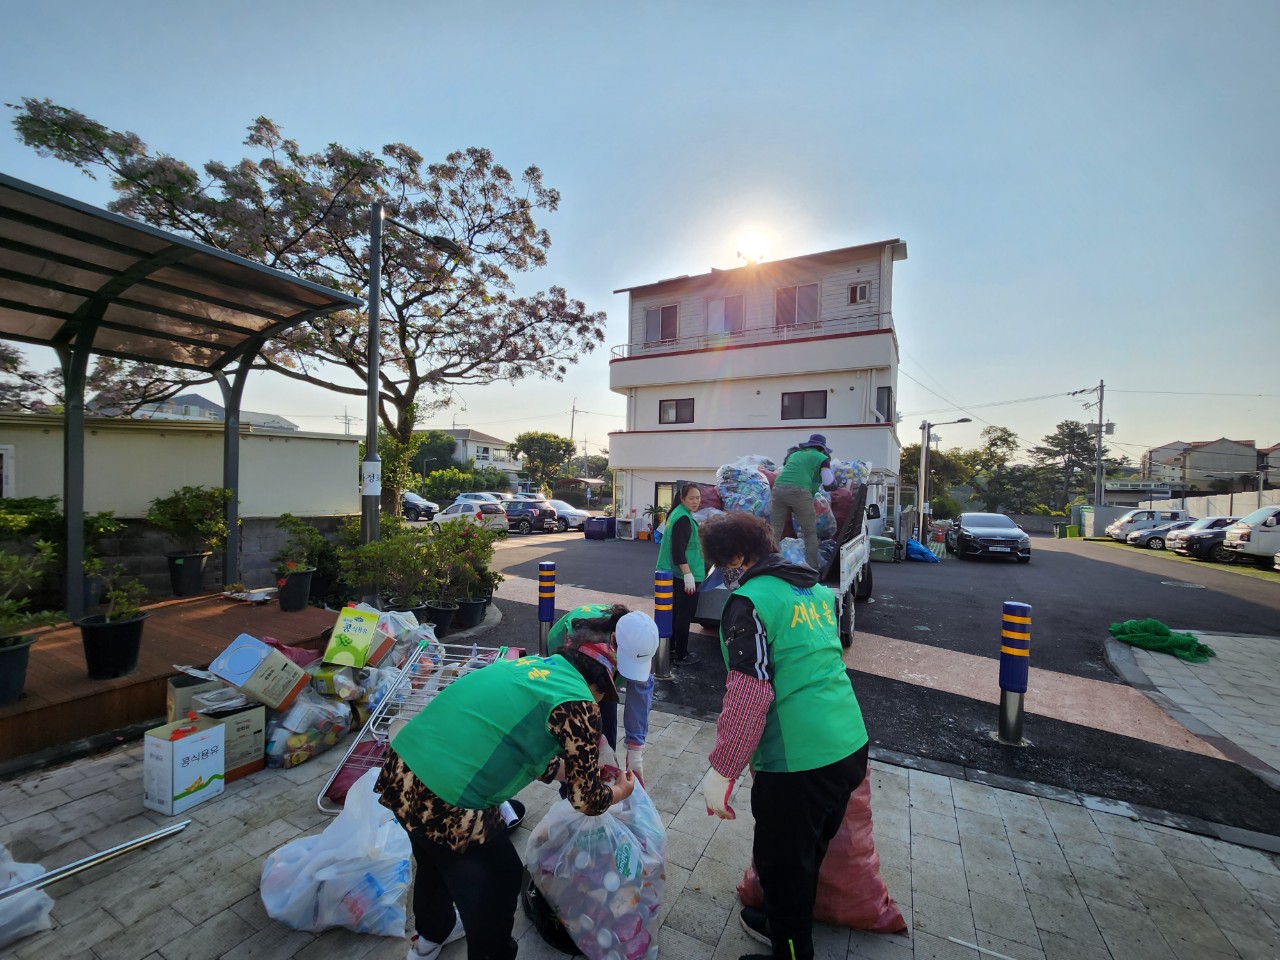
(972, 867)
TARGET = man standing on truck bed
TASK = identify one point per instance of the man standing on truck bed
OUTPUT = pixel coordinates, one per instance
(803, 473)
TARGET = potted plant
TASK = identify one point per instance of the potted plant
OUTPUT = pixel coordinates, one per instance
(465, 552)
(655, 515)
(399, 569)
(19, 574)
(113, 637)
(295, 562)
(195, 517)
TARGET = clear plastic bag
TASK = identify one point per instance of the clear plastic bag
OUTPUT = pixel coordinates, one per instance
(310, 726)
(603, 875)
(355, 874)
(23, 913)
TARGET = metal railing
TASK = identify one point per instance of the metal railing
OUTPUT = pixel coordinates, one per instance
(755, 335)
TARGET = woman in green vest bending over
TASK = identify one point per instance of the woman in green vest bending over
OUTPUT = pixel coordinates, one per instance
(805, 471)
(790, 710)
(478, 743)
(681, 553)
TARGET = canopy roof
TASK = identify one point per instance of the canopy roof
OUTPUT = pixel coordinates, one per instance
(76, 276)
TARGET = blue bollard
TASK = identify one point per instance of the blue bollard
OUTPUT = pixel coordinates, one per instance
(546, 602)
(1015, 668)
(663, 596)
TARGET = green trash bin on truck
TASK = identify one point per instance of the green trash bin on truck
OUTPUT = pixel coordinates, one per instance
(882, 549)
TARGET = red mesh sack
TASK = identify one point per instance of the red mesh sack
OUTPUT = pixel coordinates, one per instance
(770, 475)
(710, 496)
(850, 891)
(841, 504)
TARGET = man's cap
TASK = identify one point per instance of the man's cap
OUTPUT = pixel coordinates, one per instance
(603, 654)
(637, 638)
(816, 440)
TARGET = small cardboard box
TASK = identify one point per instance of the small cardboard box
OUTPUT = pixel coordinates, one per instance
(261, 673)
(178, 774)
(178, 699)
(356, 639)
(245, 746)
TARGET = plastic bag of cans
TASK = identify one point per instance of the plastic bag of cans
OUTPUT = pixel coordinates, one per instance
(826, 518)
(603, 875)
(744, 487)
(849, 472)
(792, 550)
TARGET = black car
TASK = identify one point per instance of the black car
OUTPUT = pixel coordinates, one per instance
(987, 535)
(1205, 545)
(414, 507)
(525, 516)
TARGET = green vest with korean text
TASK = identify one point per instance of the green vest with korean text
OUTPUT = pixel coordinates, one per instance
(561, 629)
(804, 469)
(692, 553)
(483, 738)
(815, 718)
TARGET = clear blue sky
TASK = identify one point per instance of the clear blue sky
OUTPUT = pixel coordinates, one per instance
(1088, 190)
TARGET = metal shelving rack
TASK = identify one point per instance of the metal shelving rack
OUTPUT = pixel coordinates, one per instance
(430, 668)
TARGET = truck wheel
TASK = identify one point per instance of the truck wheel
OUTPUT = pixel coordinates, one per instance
(862, 586)
(846, 621)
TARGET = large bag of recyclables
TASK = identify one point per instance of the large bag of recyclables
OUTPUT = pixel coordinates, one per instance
(744, 487)
(21, 914)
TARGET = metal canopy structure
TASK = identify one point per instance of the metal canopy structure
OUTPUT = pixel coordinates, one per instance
(85, 281)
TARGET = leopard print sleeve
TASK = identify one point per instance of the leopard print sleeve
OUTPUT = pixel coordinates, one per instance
(576, 725)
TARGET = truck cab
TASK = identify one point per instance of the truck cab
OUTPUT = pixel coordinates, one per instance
(1256, 535)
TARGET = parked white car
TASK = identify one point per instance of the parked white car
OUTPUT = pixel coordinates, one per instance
(569, 517)
(480, 512)
(1256, 535)
(1126, 523)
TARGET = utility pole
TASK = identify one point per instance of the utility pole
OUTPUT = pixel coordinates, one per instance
(1097, 480)
(346, 419)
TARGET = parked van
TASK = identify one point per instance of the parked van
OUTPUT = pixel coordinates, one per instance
(1143, 520)
(1256, 535)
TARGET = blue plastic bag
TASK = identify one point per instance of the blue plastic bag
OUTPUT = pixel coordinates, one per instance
(918, 551)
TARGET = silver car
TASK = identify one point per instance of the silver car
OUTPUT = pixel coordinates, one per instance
(1155, 538)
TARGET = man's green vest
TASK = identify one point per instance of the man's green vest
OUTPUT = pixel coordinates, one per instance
(561, 629)
(804, 469)
(692, 554)
(815, 718)
(483, 738)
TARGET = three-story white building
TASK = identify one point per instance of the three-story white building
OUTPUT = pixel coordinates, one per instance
(754, 360)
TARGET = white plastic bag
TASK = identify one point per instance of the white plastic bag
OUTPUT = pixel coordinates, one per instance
(355, 874)
(603, 875)
(23, 913)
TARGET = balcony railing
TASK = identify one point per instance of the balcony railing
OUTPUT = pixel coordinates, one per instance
(755, 335)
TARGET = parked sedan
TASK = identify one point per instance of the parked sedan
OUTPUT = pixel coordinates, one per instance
(414, 507)
(481, 513)
(1174, 540)
(570, 517)
(1156, 537)
(987, 535)
(1206, 545)
(525, 516)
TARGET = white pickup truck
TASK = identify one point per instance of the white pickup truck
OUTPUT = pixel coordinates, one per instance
(1256, 536)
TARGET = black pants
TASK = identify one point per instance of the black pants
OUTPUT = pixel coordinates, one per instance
(483, 882)
(683, 607)
(797, 814)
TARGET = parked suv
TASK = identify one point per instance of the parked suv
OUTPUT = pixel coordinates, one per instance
(415, 507)
(1174, 540)
(1206, 544)
(525, 516)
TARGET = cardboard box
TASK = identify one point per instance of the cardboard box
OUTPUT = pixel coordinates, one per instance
(356, 640)
(245, 738)
(178, 700)
(178, 774)
(260, 672)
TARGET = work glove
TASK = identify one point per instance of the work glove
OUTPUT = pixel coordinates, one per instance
(635, 761)
(690, 585)
(716, 791)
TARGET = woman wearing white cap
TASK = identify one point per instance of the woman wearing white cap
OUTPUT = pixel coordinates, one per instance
(804, 473)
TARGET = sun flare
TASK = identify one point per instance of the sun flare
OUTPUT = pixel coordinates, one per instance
(753, 246)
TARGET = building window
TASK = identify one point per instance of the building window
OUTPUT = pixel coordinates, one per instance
(482, 453)
(859, 293)
(675, 411)
(793, 306)
(725, 315)
(884, 404)
(807, 405)
(660, 324)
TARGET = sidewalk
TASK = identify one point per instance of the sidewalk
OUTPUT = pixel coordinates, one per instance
(971, 866)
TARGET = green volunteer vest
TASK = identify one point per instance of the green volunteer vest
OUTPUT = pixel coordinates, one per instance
(692, 554)
(561, 629)
(804, 469)
(815, 718)
(483, 738)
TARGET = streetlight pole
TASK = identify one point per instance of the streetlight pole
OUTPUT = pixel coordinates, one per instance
(923, 485)
(371, 466)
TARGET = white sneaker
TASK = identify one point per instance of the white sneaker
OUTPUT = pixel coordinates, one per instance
(420, 948)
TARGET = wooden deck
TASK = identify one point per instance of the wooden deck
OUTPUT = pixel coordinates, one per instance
(61, 706)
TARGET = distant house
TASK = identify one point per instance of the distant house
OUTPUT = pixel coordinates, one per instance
(1203, 464)
(488, 451)
(192, 406)
(752, 361)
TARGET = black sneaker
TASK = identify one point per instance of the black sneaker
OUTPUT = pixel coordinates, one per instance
(688, 660)
(756, 925)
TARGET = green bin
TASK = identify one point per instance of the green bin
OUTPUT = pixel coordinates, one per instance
(882, 549)
(1060, 530)
(1073, 530)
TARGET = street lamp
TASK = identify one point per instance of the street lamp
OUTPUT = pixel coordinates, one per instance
(371, 467)
(925, 427)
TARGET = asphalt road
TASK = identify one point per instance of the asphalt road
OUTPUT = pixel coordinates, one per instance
(1076, 589)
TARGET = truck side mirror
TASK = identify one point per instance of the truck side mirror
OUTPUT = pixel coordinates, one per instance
(873, 512)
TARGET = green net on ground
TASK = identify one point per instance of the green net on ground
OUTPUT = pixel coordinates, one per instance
(1154, 635)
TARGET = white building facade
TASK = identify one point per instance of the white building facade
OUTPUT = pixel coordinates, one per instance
(752, 361)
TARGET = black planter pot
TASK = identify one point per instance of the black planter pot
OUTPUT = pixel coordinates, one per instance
(442, 615)
(111, 649)
(186, 572)
(13, 669)
(294, 594)
(470, 613)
